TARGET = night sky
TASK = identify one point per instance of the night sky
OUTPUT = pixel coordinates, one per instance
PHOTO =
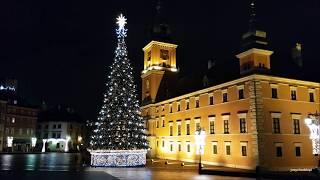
(60, 50)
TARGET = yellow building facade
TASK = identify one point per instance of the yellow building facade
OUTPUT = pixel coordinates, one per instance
(256, 120)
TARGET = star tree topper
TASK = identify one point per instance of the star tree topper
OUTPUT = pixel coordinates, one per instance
(121, 21)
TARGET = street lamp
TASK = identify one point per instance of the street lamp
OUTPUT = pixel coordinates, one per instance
(200, 136)
(66, 148)
(313, 123)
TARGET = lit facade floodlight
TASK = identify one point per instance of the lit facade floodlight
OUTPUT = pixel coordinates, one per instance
(200, 137)
(9, 141)
(44, 145)
(33, 141)
(308, 121)
(79, 139)
(314, 127)
(66, 149)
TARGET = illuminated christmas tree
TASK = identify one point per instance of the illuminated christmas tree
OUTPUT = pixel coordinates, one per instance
(119, 127)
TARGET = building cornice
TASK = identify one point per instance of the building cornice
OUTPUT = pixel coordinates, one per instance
(254, 51)
(270, 79)
(159, 44)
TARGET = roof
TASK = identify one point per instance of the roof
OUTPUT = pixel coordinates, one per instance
(59, 113)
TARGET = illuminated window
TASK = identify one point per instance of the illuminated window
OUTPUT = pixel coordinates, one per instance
(298, 151)
(296, 126)
(311, 95)
(188, 128)
(226, 126)
(224, 96)
(214, 147)
(244, 148)
(293, 92)
(240, 92)
(276, 125)
(274, 92)
(211, 126)
(179, 129)
(243, 125)
(279, 151)
(188, 147)
(197, 102)
(179, 146)
(163, 122)
(197, 123)
(171, 146)
(228, 148)
(211, 99)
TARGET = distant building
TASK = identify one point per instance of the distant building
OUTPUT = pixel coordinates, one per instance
(60, 130)
(18, 120)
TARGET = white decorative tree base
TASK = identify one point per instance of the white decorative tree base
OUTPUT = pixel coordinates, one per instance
(118, 158)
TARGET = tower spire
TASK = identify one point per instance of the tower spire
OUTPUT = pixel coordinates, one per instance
(255, 56)
(253, 20)
(160, 30)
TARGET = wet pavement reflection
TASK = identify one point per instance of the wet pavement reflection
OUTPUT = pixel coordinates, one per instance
(45, 161)
(60, 166)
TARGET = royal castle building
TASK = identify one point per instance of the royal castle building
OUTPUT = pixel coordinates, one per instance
(256, 119)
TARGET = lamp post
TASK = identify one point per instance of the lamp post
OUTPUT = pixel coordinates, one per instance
(313, 123)
(200, 136)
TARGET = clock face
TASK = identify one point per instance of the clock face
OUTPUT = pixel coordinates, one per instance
(164, 54)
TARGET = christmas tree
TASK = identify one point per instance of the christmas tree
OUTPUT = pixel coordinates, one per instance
(119, 125)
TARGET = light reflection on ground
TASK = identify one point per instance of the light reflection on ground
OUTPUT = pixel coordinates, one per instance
(60, 166)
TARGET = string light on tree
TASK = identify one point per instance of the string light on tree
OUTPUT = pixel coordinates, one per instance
(118, 137)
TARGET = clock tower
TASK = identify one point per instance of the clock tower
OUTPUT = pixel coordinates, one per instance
(160, 68)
